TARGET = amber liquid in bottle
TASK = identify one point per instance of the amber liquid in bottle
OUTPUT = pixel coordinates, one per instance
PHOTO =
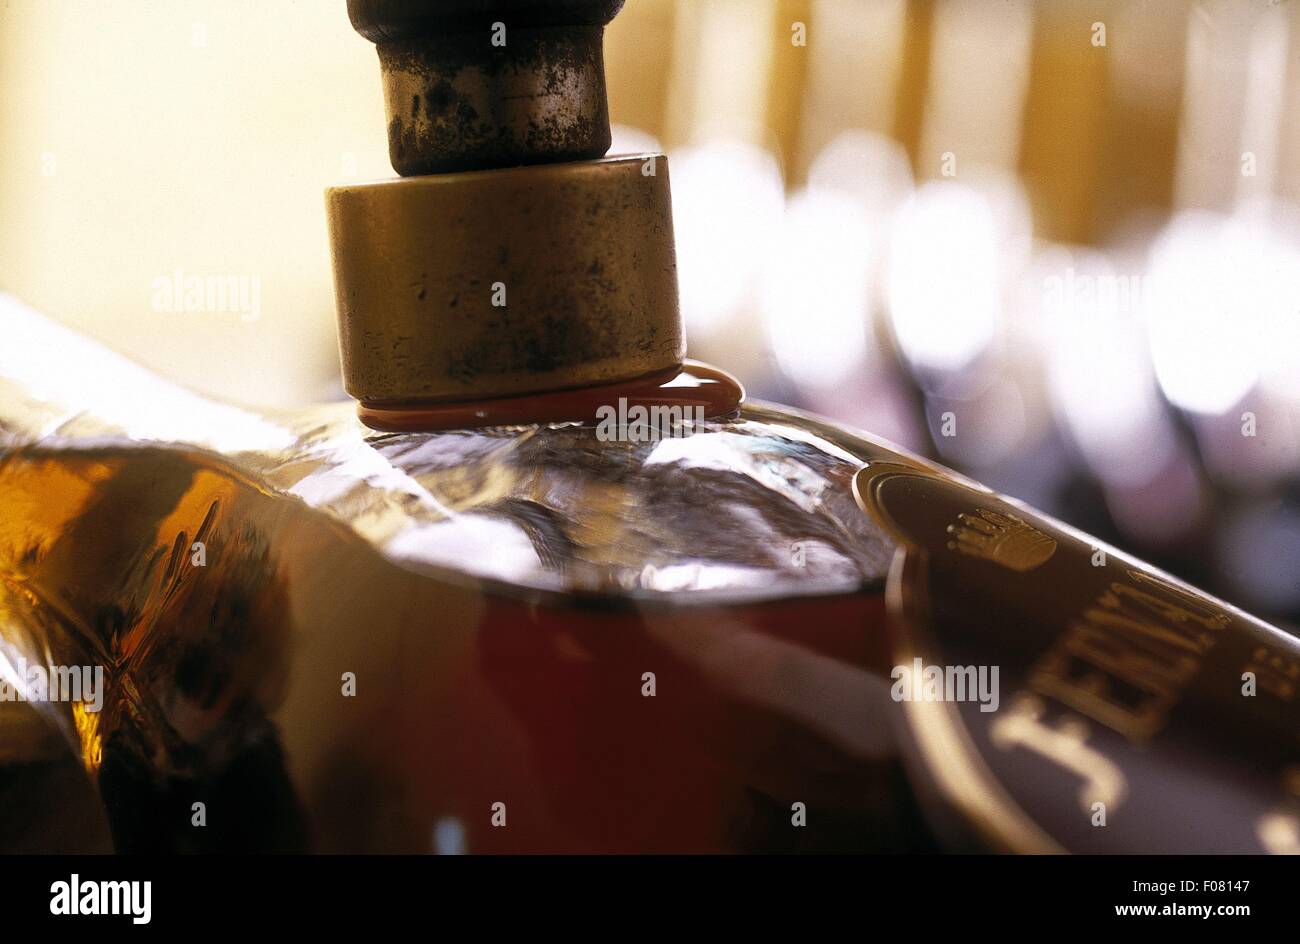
(598, 723)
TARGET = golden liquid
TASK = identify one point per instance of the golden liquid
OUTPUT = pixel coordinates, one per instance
(479, 720)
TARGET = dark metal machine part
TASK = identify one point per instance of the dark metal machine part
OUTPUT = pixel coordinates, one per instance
(479, 84)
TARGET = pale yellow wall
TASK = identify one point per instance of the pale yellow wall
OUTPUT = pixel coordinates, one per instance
(143, 136)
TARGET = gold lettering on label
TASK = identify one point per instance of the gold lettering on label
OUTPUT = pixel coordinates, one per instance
(1091, 696)
(1277, 673)
(1064, 745)
(1126, 660)
(1209, 618)
(1098, 638)
(1177, 637)
(1095, 664)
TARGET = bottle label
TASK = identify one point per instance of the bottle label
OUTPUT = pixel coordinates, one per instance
(1125, 712)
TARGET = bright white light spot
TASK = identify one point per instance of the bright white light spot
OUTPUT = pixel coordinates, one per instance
(625, 139)
(727, 205)
(1099, 372)
(480, 544)
(944, 276)
(1217, 287)
(815, 290)
(869, 169)
(1280, 333)
(66, 369)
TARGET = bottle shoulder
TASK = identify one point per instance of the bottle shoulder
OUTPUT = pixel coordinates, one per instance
(757, 504)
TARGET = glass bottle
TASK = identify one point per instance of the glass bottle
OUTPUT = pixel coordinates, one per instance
(551, 587)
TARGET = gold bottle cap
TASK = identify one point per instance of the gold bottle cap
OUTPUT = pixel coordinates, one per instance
(508, 281)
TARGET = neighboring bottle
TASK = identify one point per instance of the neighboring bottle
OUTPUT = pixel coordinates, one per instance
(563, 590)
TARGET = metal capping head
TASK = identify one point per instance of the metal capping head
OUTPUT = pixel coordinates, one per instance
(501, 282)
(476, 84)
